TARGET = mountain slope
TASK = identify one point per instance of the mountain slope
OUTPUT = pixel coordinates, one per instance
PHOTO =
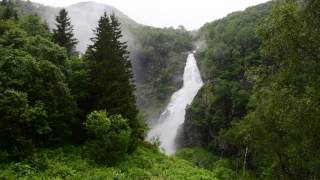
(157, 55)
(233, 46)
(84, 20)
(84, 17)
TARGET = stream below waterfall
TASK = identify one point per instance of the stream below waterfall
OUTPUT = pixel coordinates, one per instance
(165, 130)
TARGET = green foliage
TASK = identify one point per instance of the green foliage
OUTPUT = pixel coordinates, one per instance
(111, 136)
(161, 55)
(44, 49)
(33, 25)
(45, 96)
(98, 123)
(39, 161)
(70, 162)
(46, 110)
(283, 124)
(111, 85)
(12, 36)
(20, 124)
(198, 157)
(259, 106)
(224, 173)
(281, 81)
(233, 47)
(10, 12)
(77, 76)
(4, 155)
(221, 167)
(78, 79)
(43, 82)
(63, 34)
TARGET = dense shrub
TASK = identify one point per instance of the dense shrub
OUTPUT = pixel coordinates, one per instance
(69, 162)
(198, 157)
(111, 136)
(20, 124)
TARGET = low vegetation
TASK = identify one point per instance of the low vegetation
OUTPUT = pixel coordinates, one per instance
(72, 162)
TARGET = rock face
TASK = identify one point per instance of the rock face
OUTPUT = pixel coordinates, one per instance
(195, 129)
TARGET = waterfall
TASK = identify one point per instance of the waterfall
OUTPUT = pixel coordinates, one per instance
(173, 116)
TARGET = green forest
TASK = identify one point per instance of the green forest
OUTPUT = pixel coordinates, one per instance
(259, 107)
(66, 114)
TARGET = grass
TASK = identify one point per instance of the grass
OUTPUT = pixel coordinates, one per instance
(71, 162)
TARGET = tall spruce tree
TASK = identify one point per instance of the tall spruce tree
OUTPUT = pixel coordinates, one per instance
(111, 76)
(9, 12)
(63, 34)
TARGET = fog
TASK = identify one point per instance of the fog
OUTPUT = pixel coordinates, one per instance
(84, 17)
(166, 13)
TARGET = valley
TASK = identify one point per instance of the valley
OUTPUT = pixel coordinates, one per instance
(86, 92)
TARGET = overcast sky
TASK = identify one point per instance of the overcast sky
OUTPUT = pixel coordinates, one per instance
(164, 13)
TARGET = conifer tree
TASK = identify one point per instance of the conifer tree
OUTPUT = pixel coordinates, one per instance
(9, 11)
(111, 76)
(63, 34)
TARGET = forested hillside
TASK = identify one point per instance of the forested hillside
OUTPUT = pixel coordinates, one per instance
(47, 92)
(233, 48)
(157, 54)
(82, 113)
(70, 117)
(260, 103)
(160, 55)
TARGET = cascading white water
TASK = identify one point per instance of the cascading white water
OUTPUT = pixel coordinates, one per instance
(173, 116)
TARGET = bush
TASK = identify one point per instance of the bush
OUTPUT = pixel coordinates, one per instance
(3, 156)
(22, 169)
(111, 136)
(19, 124)
(39, 161)
(198, 157)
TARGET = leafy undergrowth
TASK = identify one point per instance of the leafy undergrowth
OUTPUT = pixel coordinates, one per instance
(71, 162)
(222, 168)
